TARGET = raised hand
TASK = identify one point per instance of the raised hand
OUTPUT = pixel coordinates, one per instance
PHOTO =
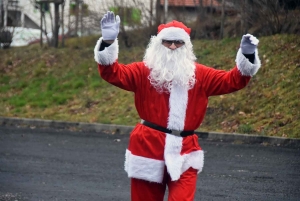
(249, 44)
(110, 26)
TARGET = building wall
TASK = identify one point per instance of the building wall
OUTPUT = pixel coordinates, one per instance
(97, 8)
(30, 16)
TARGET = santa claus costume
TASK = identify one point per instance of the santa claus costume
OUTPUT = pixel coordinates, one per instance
(171, 95)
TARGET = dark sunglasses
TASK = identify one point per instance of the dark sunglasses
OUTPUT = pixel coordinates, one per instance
(177, 43)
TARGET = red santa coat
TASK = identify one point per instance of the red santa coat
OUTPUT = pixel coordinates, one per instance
(149, 150)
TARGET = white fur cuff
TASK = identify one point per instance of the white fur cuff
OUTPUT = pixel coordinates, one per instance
(245, 66)
(109, 55)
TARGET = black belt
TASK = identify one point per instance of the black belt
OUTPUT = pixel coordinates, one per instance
(165, 130)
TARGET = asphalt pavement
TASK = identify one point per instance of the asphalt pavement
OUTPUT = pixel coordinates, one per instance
(43, 164)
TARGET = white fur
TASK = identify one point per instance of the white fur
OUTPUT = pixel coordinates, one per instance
(168, 67)
(107, 56)
(153, 170)
(173, 33)
(173, 159)
(144, 168)
(245, 66)
(171, 71)
(177, 163)
(178, 105)
(194, 159)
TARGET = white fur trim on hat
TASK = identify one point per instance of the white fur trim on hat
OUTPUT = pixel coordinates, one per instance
(107, 56)
(245, 67)
(173, 33)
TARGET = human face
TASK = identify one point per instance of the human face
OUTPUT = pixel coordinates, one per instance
(172, 44)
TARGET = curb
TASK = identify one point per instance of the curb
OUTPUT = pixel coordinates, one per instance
(120, 129)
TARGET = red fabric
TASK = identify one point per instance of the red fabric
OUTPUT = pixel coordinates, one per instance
(174, 23)
(154, 107)
(180, 190)
(149, 143)
(190, 144)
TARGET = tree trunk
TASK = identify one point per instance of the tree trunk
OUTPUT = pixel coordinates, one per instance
(158, 13)
(246, 20)
(81, 19)
(76, 17)
(63, 24)
(1, 8)
(244, 16)
(56, 25)
(166, 11)
(201, 10)
(69, 25)
(41, 26)
(151, 14)
(222, 20)
(45, 30)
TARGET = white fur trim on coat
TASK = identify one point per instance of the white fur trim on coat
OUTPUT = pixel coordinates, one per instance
(107, 56)
(178, 104)
(194, 159)
(177, 163)
(245, 66)
(144, 168)
(173, 159)
(153, 170)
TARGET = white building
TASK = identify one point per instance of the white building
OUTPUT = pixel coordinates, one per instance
(26, 13)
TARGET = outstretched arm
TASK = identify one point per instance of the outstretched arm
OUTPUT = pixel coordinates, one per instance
(106, 55)
(218, 82)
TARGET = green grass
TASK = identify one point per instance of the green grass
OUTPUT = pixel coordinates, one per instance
(63, 84)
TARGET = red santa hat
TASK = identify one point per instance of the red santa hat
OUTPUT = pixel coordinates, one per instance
(174, 31)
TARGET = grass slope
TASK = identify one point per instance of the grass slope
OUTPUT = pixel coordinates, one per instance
(63, 84)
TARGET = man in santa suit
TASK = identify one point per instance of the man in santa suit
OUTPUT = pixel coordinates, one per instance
(171, 94)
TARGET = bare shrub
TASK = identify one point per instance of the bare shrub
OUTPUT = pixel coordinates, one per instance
(268, 17)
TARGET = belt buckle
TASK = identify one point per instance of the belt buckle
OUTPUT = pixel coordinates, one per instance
(175, 132)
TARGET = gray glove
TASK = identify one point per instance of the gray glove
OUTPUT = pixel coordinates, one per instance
(110, 26)
(249, 44)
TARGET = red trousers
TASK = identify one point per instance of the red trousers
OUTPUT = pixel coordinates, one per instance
(180, 190)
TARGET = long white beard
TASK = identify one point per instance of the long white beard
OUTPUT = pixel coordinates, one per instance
(170, 67)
